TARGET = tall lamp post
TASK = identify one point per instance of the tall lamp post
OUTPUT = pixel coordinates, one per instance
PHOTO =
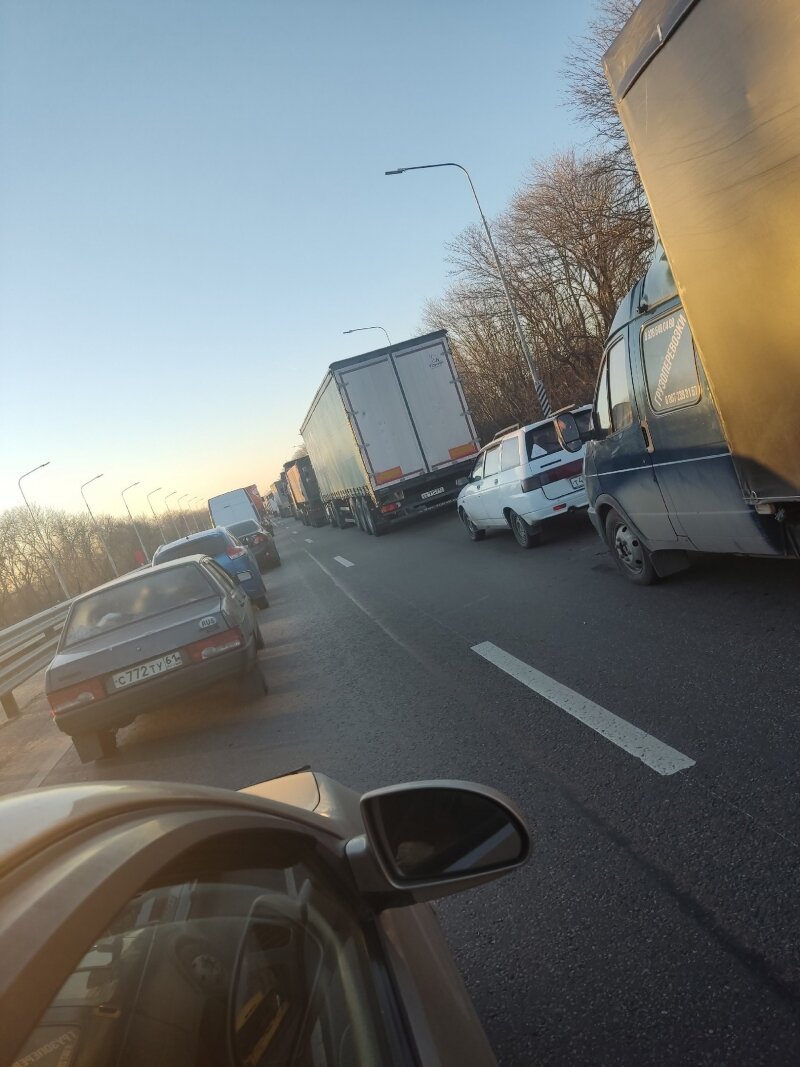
(133, 521)
(359, 329)
(541, 392)
(199, 504)
(158, 521)
(166, 505)
(183, 513)
(97, 525)
(43, 539)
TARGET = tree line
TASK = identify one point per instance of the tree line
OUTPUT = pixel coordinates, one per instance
(28, 583)
(573, 240)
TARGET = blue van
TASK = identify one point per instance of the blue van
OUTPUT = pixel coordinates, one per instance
(659, 474)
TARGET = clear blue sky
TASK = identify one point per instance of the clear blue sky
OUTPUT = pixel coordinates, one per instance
(193, 209)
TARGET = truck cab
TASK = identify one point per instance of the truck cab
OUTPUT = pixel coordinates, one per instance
(659, 473)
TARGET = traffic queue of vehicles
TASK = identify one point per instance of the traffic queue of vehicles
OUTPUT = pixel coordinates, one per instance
(690, 442)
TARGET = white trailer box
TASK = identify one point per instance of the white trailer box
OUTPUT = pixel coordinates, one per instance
(389, 432)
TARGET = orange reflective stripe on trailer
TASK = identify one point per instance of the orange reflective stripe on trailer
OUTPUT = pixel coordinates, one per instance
(460, 451)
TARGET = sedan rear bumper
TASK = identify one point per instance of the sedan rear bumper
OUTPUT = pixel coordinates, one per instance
(120, 709)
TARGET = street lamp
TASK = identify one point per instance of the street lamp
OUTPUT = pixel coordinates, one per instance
(158, 521)
(541, 393)
(358, 329)
(56, 571)
(200, 509)
(133, 523)
(166, 505)
(97, 526)
(183, 513)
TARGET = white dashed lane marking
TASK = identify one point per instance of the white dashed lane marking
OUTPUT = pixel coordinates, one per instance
(344, 562)
(309, 541)
(653, 753)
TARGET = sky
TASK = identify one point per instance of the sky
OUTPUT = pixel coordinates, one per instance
(193, 209)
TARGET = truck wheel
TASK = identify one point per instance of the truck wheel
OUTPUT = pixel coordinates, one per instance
(631, 556)
(339, 518)
(474, 533)
(526, 536)
(369, 522)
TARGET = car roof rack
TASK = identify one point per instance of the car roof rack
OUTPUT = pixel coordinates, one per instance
(506, 429)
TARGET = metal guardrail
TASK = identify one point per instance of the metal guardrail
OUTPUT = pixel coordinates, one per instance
(27, 647)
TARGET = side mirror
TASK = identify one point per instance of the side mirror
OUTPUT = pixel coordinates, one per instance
(461, 481)
(426, 840)
(568, 432)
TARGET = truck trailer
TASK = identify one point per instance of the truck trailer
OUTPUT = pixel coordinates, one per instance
(389, 434)
(694, 442)
(304, 491)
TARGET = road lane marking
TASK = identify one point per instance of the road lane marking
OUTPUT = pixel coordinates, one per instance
(309, 541)
(344, 562)
(654, 753)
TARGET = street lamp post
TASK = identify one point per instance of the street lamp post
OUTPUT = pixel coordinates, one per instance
(358, 329)
(133, 522)
(158, 521)
(56, 571)
(541, 392)
(200, 502)
(166, 505)
(183, 514)
(97, 525)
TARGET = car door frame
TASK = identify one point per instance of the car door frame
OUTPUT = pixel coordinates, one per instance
(470, 500)
(488, 490)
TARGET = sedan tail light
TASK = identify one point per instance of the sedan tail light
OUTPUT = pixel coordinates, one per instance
(258, 538)
(552, 474)
(75, 696)
(209, 647)
(234, 551)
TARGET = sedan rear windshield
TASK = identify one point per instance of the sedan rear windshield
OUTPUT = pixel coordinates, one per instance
(241, 529)
(150, 594)
(213, 545)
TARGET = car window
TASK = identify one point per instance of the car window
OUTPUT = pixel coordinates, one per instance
(213, 545)
(669, 363)
(140, 598)
(618, 389)
(509, 454)
(492, 462)
(477, 471)
(541, 441)
(602, 412)
(230, 966)
(241, 529)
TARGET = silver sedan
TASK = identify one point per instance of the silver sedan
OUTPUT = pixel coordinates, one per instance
(144, 639)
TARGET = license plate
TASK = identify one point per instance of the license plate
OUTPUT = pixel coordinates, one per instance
(244, 575)
(142, 671)
(432, 492)
(576, 483)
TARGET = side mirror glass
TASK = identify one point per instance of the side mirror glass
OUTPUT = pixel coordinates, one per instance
(568, 432)
(432, 833)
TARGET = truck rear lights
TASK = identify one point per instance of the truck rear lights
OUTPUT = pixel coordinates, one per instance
(75, 696)
(217, 645)
(387, 509)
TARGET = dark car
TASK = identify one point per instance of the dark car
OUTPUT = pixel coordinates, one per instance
(259, 540)
(144, 639)
(228, 551)
(147, 923)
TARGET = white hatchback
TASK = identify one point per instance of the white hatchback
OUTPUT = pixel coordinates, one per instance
(522, 478)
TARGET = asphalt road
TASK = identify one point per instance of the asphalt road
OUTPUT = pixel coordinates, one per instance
(657, 920)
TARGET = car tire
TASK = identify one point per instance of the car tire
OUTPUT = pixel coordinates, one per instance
(261, 602)
(253, 684)
(475, 534)
(260, 642)
(96, 746)
(632, 557)
(526, 535)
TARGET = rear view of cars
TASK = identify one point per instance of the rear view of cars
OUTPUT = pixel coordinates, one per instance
(228, 551)
(145, 639)
(523, 478)
(259, 540)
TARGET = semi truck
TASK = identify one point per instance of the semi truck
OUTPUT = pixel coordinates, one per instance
(390, 434)
(694, 438)
(279, 500)
(304, 491)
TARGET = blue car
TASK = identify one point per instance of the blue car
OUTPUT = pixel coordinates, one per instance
(228, 551)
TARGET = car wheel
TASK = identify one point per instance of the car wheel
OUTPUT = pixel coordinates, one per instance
(254, 684)
(260, 642)
(631, 556)
(526, 536)
(97, 746)
(261, 603)
(474, 533)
